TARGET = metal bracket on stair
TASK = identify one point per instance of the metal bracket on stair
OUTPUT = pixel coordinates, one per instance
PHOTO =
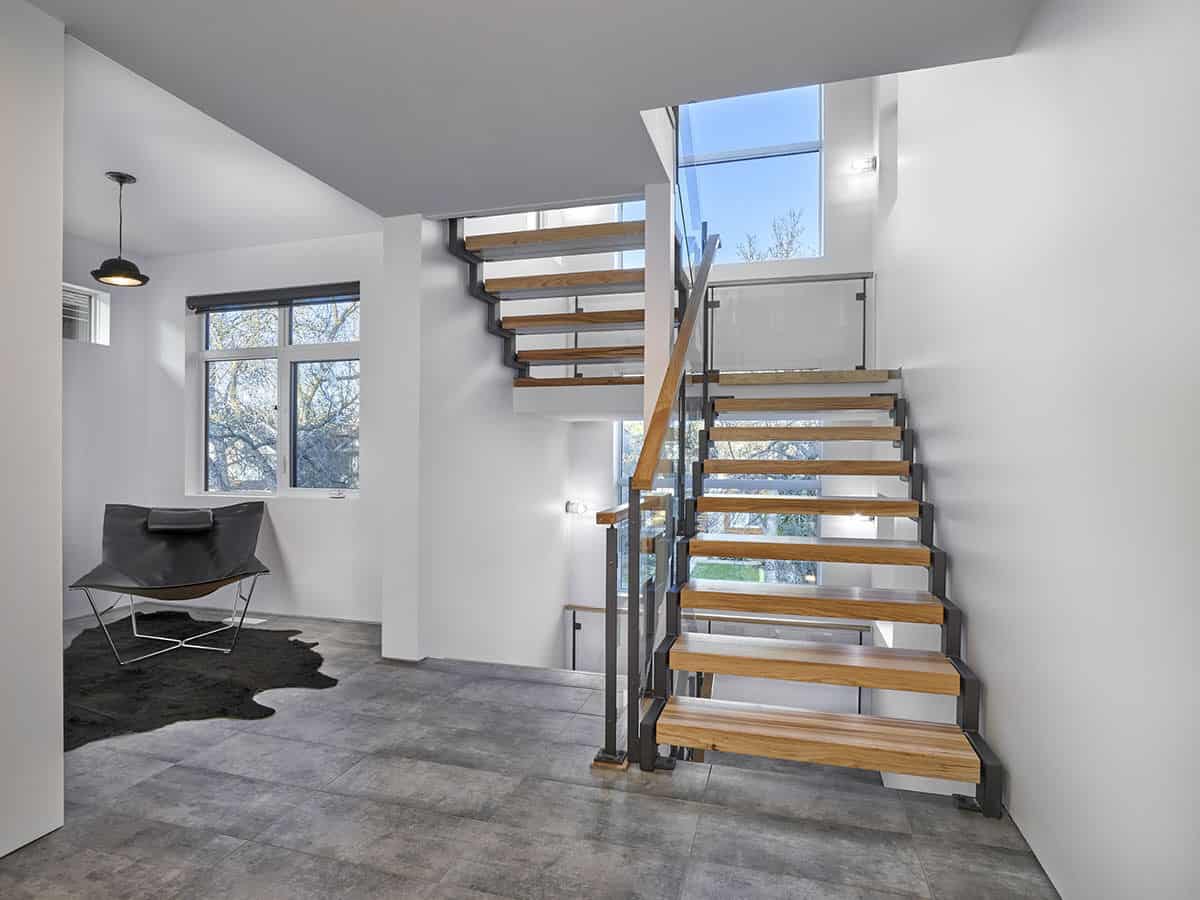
(937, 572)
(916, 482)
(989, 793)
(952, 624)
(457, 245)
(925, 524)
(968, 696)
(648, 746)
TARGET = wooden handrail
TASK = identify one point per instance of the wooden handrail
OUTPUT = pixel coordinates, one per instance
(660, 419)
(621, 513)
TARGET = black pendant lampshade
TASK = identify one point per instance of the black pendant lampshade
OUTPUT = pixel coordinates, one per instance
(119, 271)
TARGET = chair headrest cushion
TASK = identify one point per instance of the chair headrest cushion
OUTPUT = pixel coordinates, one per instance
(179, 520)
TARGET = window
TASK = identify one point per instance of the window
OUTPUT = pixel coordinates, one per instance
(84, 315)
(281, 392)
(751, 167)
(630, 435)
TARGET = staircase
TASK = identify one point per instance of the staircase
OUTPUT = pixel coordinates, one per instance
(622, 360)
(691, 724)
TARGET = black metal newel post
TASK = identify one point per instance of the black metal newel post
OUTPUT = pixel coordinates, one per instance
(862, 298)
(633, 668)
(609, 753)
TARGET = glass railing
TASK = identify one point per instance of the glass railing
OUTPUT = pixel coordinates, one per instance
(790, 322)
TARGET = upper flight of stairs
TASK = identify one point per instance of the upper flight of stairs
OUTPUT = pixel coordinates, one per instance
(698, 723)
(570, 287)
(570, 240)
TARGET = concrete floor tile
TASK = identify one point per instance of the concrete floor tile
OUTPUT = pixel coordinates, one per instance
(938, 816)
(856, 857)
(275, 759)
(789, 796)
(448, 789)
(198, 798)
(981, 873)
(616, 817)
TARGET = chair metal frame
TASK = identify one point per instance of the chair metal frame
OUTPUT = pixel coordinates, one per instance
(177, 643)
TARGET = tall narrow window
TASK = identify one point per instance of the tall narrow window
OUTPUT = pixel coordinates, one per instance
(325, 424)
(751, 166)
(281, 390)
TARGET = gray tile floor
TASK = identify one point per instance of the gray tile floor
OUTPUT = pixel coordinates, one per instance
(460, 780)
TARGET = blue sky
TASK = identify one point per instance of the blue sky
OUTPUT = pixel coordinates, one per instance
(741, 198)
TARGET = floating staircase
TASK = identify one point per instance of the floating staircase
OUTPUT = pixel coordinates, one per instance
(693, 724)
(477, 250)
(574, 288)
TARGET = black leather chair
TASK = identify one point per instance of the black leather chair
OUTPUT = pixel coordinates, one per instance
(176, 554)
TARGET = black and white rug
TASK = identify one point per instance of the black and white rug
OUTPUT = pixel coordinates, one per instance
(103, 699)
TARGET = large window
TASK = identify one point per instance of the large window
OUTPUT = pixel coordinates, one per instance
(751, 167)
(281, 403)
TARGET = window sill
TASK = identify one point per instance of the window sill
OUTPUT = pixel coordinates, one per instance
(294, 494)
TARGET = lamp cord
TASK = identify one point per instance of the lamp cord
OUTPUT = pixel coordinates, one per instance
(120, 221)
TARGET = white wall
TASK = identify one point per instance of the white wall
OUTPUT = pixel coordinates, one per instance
(31, 106)
(316, 547)
(1037, 285)
(493, 487)
(591, 478)
(458, 540)
(104, 415)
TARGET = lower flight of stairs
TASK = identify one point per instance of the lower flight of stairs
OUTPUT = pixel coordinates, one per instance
(955, 752)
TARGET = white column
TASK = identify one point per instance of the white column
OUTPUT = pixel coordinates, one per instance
(390, 434)
(660, 288)
(31, 688)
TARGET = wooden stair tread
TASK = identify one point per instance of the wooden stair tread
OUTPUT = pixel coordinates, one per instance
(808, 376)
(807, 467)
(812, 549)
(560, 323)
(885, 402)
(818, 662)
(581, 355)
(861, 742)
(601, 237)
(525, 381)
(805, 433)
(787, 504)
(565, 284)
(884, 604)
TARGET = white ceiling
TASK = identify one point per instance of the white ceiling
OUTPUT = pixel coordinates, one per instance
(435, 107)
(201, 185)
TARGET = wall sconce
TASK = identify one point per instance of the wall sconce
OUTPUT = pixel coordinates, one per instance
(865, 166)
(578, 508)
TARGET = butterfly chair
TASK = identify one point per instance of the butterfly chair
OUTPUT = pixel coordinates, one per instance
(176, 554)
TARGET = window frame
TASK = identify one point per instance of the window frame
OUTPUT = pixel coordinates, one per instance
(99, 313)
(286, 356)
(691, 162)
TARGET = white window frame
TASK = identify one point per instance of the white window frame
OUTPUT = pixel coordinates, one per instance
(748, 154)
(286, 354)
(99, 329)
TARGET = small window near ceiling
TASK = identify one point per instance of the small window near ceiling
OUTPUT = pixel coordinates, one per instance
(84, 315)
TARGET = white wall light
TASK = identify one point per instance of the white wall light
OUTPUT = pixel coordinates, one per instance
(578, 508)
(865, 166)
